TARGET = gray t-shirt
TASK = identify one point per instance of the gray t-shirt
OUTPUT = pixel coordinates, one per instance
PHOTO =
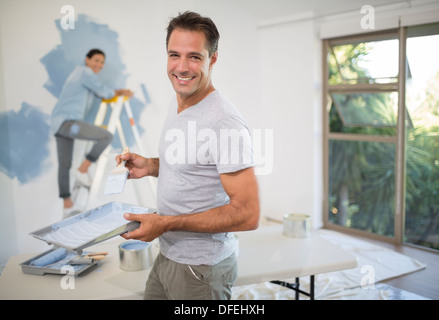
(196, 146)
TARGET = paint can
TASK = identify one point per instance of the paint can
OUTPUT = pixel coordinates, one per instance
(135, 255)
(297, 225)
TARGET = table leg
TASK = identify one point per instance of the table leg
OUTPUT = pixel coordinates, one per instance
(295, 286)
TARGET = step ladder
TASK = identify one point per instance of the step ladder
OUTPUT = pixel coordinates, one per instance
(85, 196)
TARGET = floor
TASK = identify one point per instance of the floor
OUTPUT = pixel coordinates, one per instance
(424, 282)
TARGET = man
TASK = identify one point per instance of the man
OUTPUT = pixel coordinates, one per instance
(206, 183)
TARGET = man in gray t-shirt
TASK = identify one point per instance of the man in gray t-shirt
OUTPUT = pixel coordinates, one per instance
(206, 183)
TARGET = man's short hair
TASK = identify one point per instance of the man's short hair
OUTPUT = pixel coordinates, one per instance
(195, 22)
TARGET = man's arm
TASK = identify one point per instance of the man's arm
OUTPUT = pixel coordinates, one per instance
(241, 214)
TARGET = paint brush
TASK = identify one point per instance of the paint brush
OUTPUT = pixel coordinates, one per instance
(117, 178)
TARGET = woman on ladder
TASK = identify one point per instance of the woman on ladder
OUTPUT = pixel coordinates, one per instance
(68, 123)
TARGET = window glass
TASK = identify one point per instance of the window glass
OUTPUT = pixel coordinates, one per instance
(362, 185)
(366, 113)
(364, 62)
(422, 141)
(367, 109)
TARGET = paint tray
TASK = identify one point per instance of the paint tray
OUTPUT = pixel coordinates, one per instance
(61, 266)
(83, 230)
(91, 227)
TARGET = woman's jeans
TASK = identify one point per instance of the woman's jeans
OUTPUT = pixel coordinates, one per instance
(67, 133)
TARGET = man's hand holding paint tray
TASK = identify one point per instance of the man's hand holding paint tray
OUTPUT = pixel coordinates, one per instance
(151, 226)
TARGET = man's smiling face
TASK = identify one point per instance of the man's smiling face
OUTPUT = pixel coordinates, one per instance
(189, 62)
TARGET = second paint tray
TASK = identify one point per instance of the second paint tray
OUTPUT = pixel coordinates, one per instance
(91, 227)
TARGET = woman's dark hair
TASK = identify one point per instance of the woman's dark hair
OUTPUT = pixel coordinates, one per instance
(92, 52)
(195, 22)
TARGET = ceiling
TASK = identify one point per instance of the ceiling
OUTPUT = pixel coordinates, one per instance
(264, 10)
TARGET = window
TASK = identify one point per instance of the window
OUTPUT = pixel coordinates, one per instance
(381, 127)
(422, 141)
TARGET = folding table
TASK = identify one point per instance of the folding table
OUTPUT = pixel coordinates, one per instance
(265, 254)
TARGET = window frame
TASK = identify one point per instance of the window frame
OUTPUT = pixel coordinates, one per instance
(398, 139)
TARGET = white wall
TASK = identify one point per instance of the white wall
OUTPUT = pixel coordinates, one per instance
(290, 103)
(8, 235)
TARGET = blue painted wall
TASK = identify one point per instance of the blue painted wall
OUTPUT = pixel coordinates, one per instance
(24, 148)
